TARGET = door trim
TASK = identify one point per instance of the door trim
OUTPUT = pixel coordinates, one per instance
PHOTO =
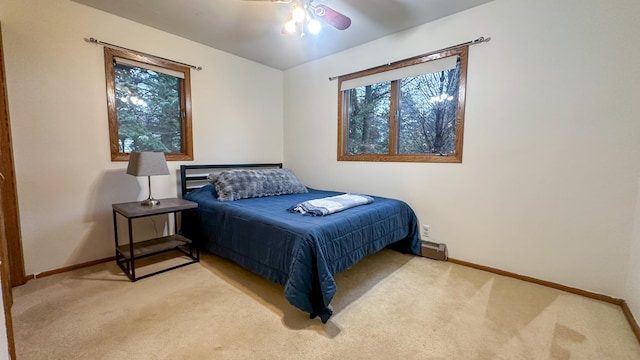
(12, 263)
(9, 190)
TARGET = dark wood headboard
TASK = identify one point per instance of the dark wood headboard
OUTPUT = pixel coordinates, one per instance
(195, 176)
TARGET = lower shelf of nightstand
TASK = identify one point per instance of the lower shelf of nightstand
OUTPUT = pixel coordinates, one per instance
(153, 246)
(148, 248)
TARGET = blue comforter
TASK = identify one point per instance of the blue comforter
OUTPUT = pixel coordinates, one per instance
(303, 253)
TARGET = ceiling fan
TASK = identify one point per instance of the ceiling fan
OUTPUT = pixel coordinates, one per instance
(307, 13)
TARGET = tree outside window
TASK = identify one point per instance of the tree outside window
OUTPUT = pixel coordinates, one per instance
(412, 110)
(149, 106)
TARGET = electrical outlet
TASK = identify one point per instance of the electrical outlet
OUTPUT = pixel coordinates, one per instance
(426, 231)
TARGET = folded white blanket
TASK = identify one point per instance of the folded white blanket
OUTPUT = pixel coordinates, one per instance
(331, 205)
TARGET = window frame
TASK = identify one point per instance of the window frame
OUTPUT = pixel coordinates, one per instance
(112, 111)
(393, 155)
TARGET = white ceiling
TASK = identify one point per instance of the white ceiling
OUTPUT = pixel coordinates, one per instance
(253, 29)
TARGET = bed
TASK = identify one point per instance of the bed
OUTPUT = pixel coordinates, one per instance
(302, 253)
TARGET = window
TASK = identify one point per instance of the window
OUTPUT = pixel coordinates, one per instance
(411, 110)
(149, 105)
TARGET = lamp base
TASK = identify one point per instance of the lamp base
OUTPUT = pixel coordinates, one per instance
(150, 202)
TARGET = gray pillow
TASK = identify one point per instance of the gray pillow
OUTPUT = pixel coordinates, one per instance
(243, 184)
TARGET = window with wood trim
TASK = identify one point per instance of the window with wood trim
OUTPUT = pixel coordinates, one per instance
(149, 105)
(408, 111)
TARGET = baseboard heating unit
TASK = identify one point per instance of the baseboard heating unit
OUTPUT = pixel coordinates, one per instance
(434, 250)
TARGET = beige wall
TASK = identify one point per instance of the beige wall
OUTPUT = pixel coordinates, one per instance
(547, 188)
(548, 183)
(56, 86)
(632, 295)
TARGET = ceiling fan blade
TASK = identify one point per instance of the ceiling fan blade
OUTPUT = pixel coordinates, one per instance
(332, 17)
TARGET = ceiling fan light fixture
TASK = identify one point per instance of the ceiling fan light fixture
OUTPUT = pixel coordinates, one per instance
(314, 26)
(290, 26)
(298, 14)
(308, 15)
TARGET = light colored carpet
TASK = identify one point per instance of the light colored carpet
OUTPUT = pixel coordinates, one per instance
(389, 306)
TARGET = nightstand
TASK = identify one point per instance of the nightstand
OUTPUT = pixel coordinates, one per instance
(127, 254)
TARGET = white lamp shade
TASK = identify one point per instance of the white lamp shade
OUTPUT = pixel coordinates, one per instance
(147, 163)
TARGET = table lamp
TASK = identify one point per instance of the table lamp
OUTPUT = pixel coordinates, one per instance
(147, 163)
